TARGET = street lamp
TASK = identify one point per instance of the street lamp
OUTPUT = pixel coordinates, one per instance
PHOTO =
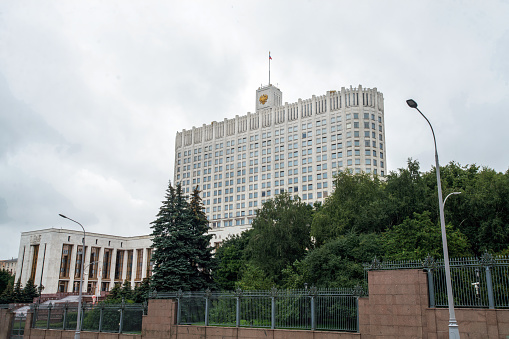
(78, 322)
(453, 325)
(450, 195)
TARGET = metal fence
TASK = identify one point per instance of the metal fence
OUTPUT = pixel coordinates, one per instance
(115, 318)
(476, 282)
(310, 309)
(18, 326)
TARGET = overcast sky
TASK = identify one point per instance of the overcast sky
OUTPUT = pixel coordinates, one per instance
(92, 93)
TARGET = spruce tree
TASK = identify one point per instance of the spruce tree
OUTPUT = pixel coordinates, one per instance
(140, 293)
(17, 295)
(7, 295)
(204, 260)
(178, 261)
(5, 278)
(126, 292)
(29, 292)
(115, 294)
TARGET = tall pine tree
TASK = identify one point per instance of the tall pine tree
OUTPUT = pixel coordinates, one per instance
(180, 252)
(204, 260)
(29, 292)
(17, 295)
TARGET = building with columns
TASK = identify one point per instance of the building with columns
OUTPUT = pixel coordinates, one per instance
(295, 147)
(52, 258)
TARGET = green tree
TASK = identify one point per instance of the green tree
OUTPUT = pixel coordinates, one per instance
(29, 292)
(5, 278)
(407, 193)
(140, 293)
(17, 295)
(231, 257)
(254, 278)
(178, 261)
(359, 203)
(281, 234)
(126, 292)
(481, 212)
(204, 261)
(7, 295)
(415, 238)
(115, 294)
(338, 263)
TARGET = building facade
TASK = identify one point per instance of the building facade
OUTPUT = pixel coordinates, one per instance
(52, 258)
(9, 265)
(297, 148)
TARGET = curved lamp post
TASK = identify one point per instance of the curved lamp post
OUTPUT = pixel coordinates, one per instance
(453, 325)
(78, 321)
(450, 195)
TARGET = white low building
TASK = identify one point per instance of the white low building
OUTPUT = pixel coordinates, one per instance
(52, 258)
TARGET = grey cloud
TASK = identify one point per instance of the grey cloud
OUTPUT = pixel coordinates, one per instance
(4, 217)
(500, 61)
(19, 124)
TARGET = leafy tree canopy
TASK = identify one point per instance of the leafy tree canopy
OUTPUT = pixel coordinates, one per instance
(280, 235)
(359, 202)
(338, 263)
(232, 258)
(418, 237)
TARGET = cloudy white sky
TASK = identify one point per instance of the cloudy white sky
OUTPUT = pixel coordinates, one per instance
(92, 93)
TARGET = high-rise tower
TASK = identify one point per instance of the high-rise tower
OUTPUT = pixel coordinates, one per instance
(239, 163)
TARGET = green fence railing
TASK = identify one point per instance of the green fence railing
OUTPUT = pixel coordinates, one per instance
(114, 318)
(476, 282)
(308, 309)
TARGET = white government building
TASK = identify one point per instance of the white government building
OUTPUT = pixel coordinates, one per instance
(297, 148)
(52, 258)
(238, 164)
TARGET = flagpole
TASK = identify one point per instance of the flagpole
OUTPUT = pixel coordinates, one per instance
(269, 68)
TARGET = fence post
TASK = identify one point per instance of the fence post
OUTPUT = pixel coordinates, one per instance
(357, 313)
(101, 318)
(49, 315)
(36, 308)
(237, 307)
(207, 300)
(120, 325)
(357, 291)
(179, 306)
(64, 318)
(313, 290)
(487, 260)
(489, 284)
(429, 263)
(431, 288)
(82, 316)
(273, 293)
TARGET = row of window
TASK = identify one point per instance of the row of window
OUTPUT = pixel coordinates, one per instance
(254, 170)
(279, 157)
(309, 125)
(306, 143)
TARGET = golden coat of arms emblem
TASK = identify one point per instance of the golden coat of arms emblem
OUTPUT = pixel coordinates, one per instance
(263, 99)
